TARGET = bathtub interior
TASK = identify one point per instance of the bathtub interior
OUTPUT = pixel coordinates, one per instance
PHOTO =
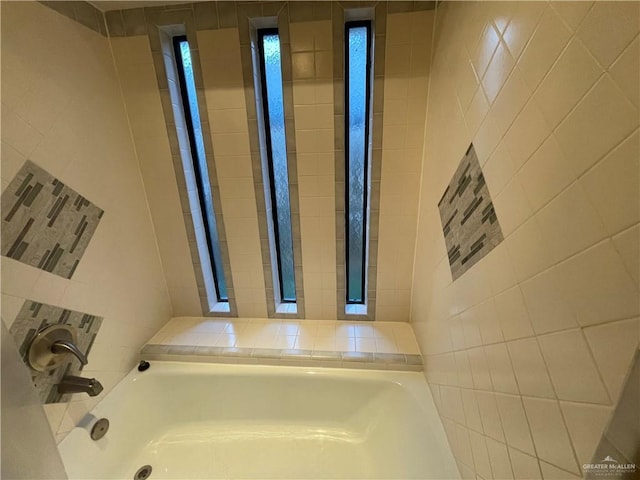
(240, 421)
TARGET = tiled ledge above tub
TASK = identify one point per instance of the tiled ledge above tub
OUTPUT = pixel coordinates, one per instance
(378, 345)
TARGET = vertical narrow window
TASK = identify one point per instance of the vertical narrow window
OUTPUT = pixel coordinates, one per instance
(274, 126)
(357, 110)
(196, 144)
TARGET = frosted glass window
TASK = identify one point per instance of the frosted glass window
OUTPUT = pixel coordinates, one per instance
(194, 129)
(271, 71)
(358, 91)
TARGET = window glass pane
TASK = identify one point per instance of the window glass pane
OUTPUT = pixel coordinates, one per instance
(202, 170)
(280, 180)
(357, 100)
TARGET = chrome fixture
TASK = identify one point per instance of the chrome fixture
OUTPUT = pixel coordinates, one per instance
(143, 473)
(72, 384)
(99, 429)
(50, 346)
(65, 346)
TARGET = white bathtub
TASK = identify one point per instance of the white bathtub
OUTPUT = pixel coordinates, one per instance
(197, 421)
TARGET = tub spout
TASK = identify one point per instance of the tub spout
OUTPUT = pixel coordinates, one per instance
(71, 384)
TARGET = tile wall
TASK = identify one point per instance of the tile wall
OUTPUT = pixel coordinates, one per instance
(292, 342)
(226, 100)
(220, 30)
(135, 67)
(526, 352)
(311, 44)
(63, 110)
(249, 53)
(407, 56)
(378, 17)
(621, 439)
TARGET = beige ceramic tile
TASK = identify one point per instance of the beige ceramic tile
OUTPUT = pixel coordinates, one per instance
(487, 138)
(545, 45)
(626, 70)
(491, 423)
(487, 321)
(479, 369)
(572, 12)
(530, 369)
(514, 422)
(571, 367)
(502, 377)
(602, 119)
(465, 380)
(569, 79)
(525, 18)
(512, 207)
(626, 244)
(613, 346)
(498, 170)
(545, 174)
(480, 454)
(497, 72)
(527, 133)
(303, 65)
(549, 433)
(485, 49)
(548, 308)
(463, 443)
(452, 403)
(510, 101)
(608, 28)
(499, 269)
(524, 466)
(613, 186)
(471, 330)
(551, 472)
(611, 295)
(528, 246)
(477, 110)
(585, 424)
(570, 223)
(465, 79)
(471, 411)
(499, 458)
(512, 314)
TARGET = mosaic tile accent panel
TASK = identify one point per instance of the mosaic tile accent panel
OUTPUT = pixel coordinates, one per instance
(469, 222)
(45, 223)
(33, 317)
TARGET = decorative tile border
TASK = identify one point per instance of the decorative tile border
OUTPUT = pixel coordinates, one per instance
(292, 357)
(45, 223)
(34, 316)
(469, 222)
(226, 14)
(82, 12)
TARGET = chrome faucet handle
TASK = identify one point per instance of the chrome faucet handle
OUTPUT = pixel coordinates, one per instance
(66, 346)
